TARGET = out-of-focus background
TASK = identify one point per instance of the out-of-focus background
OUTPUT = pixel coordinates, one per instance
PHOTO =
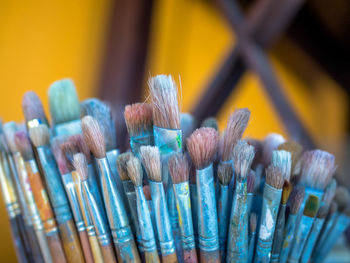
(286, 60)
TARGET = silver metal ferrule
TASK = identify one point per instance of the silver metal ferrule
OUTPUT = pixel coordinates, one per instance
(207, 214)
(67, 128)
(183, 202)
(165, 235)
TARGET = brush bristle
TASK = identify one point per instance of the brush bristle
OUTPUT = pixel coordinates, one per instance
(138, 119)
(202, 146)
(80, 165)
(258, 149)
(317, 169)
(179, 168)
(274, 177)
(287, 189)
(68, 150)
(271, 143)
(24, 146)
(323, 211)
(61, 160)
(342, 197)
(252, 222)
(79, 143)
(63, 101)
(236, 126)
(210, 122)
(225, 173)
(121, 165)
(330, 192)
(32, 107)
(296, 199)
(134, 169)
(311, 206)
(151, 162)
(283, 160)
(39, 135)
(93, 137)
(251, 182)
(243, 155)
(295, 150)
(147, 192)
(165, 106)
(10, 128)
(101, 112)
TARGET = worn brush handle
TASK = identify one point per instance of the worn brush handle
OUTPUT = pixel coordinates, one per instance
(209, 256)
(152, 257)
(84, 240)
(71, 244)
(170, 258)
(16, 236)
(190, 256)
(108, 254)
(127, 252)
(56, 248)
(96, 250)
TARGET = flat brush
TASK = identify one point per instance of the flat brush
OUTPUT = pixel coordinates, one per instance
(148, 236)
(118, 220)
(202, 147)
(101, 229)
(33, 110)
(40, 137)
(151, 162)
(295, 150)
(179, 172)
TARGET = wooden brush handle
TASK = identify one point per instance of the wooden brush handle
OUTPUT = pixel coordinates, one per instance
(151, 257)
(84, 240)
(210, 256)
(171, 258)
(108, 254)
(95, 249)
(56, 248)
(190, 256)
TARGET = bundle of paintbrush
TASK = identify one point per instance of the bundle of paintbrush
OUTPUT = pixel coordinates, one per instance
(72, 197)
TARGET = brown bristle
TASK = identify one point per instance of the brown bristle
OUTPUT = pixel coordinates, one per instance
(80, 165)
(271, 143)
(274, 177)
(138, 119)
(151, 162)
(39, 135)
(236, 126)
(24, 146)
(330, 192)
(252, 222)
(296, 199)
(93, 137)
(342, 197)
(202, 146)
(10, 128)
(61, 160)
(165, 106)
(147, 192)
(323, 211)
(295, 150)
(283, 160)
(243, 155)
(258, 149)
(287, 189)
(178, 168)
(69, 149)
(81, 146)
(251, 182)
(134, 170)
(121, 165)
(311, 206)
(32, 107)
(225, 172)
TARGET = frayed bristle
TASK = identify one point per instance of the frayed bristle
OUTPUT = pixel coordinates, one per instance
(134, 169)
(32, 107)
(61, 160)
(68, 150)
(243, 155)
(342, 197)
(323, 211)
(101, 112)
(311, 206)
(251, 182)
(24, 146)
(40, 135)
(202, 146)
(236, 126)
(295, 150)
(10, 128)
(210, 122)
(138, 119)
(147, 192)
(121, 165)
(317, 169)
(287, 189)
(179, 168)
(252, 222)
(296, 199)
(270, 143)
(165, 106)
(80, 165)
(93, 137)
(79, 143)
(63, 101)
(330, 192)
(151, 162)
(274, 177)
(225, 173)
(283, 160)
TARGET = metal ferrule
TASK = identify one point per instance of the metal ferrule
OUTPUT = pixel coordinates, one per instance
(117, 217)
(69, 185)
(208, 235)
(144, 217)
(54, 185)
(250, 198)
(165, 235)
(288, 237)
(183, 202)
(222, 206)
(237, 247)
(67, 128)
(270, 206)
(142, 140)
(102, 230)
(310, 243)
(194, 206)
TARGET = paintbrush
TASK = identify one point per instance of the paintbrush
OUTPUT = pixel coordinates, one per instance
(252, 233)
(151, 162)
(25, 148)
(59, 150)
(270, 143)
(250, 190)
(258, 149)
(64, 108)
(271, 200)
(188, 124)
(102, 230)
(40, 137)
(149, 244)
(179, 171)
(210, 122)
(202, 146)
(237, 244)
(118, 220)
(282, 160)
(295, 150)
(296, 199)
(225, 173)
(33, 110)
(303, 230)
